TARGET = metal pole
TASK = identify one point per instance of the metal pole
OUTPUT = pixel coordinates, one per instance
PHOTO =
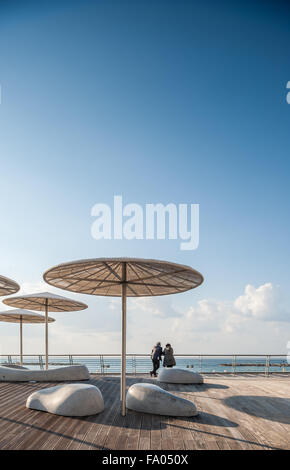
(123, 371)
(21, 342)
(46, 334)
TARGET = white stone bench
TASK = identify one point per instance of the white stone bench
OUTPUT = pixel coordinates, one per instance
(15, 366)
(59, 374)
(149, 398)
(179, 376)
(68, 400)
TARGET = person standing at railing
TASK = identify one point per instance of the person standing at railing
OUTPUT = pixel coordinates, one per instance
(169, 360)
(156, 358)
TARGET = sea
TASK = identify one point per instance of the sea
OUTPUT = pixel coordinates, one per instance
(138, 364)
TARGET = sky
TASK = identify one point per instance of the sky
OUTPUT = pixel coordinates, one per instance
(160, 102)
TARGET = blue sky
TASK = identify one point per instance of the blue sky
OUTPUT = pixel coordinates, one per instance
(162, 101)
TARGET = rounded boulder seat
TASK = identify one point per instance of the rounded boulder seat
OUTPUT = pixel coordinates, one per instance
(59, 374)
(68, 400)
(179, 376)
(149, 398)
(15, 366)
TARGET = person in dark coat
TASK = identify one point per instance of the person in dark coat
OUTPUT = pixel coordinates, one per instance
(169, 360)
(156, 358)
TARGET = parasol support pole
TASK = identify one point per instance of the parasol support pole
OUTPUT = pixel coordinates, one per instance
(21, 341)
(46, 334)
(123, 367)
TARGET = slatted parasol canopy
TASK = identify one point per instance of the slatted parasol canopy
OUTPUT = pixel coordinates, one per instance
(45, 302)
(7, 286)
(123, 277)
(19, 315)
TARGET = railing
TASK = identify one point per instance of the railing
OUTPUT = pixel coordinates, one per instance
(141, 363)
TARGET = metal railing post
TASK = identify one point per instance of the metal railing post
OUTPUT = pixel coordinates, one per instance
(40, 362)
(102, 365)
(234, 365)
(267, 366)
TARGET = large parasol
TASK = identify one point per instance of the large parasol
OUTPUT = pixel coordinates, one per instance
(7, 286)
(123, 277)
(19, 315)
(45, 302)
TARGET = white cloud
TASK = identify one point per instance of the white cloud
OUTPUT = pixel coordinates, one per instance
(263, 303)
(256, 319)
(153, 306)
(41, 286)
(35, 287)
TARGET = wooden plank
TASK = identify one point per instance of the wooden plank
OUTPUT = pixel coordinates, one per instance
(15, 418)
(145, 430)
(134, 433)
(111, 414)
(95, 424)
(235, 413)
(30, 424)
(155, 435)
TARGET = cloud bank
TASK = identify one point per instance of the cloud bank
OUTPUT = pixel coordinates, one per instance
(257, 321)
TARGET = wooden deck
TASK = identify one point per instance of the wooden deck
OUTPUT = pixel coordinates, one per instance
(235, 413)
